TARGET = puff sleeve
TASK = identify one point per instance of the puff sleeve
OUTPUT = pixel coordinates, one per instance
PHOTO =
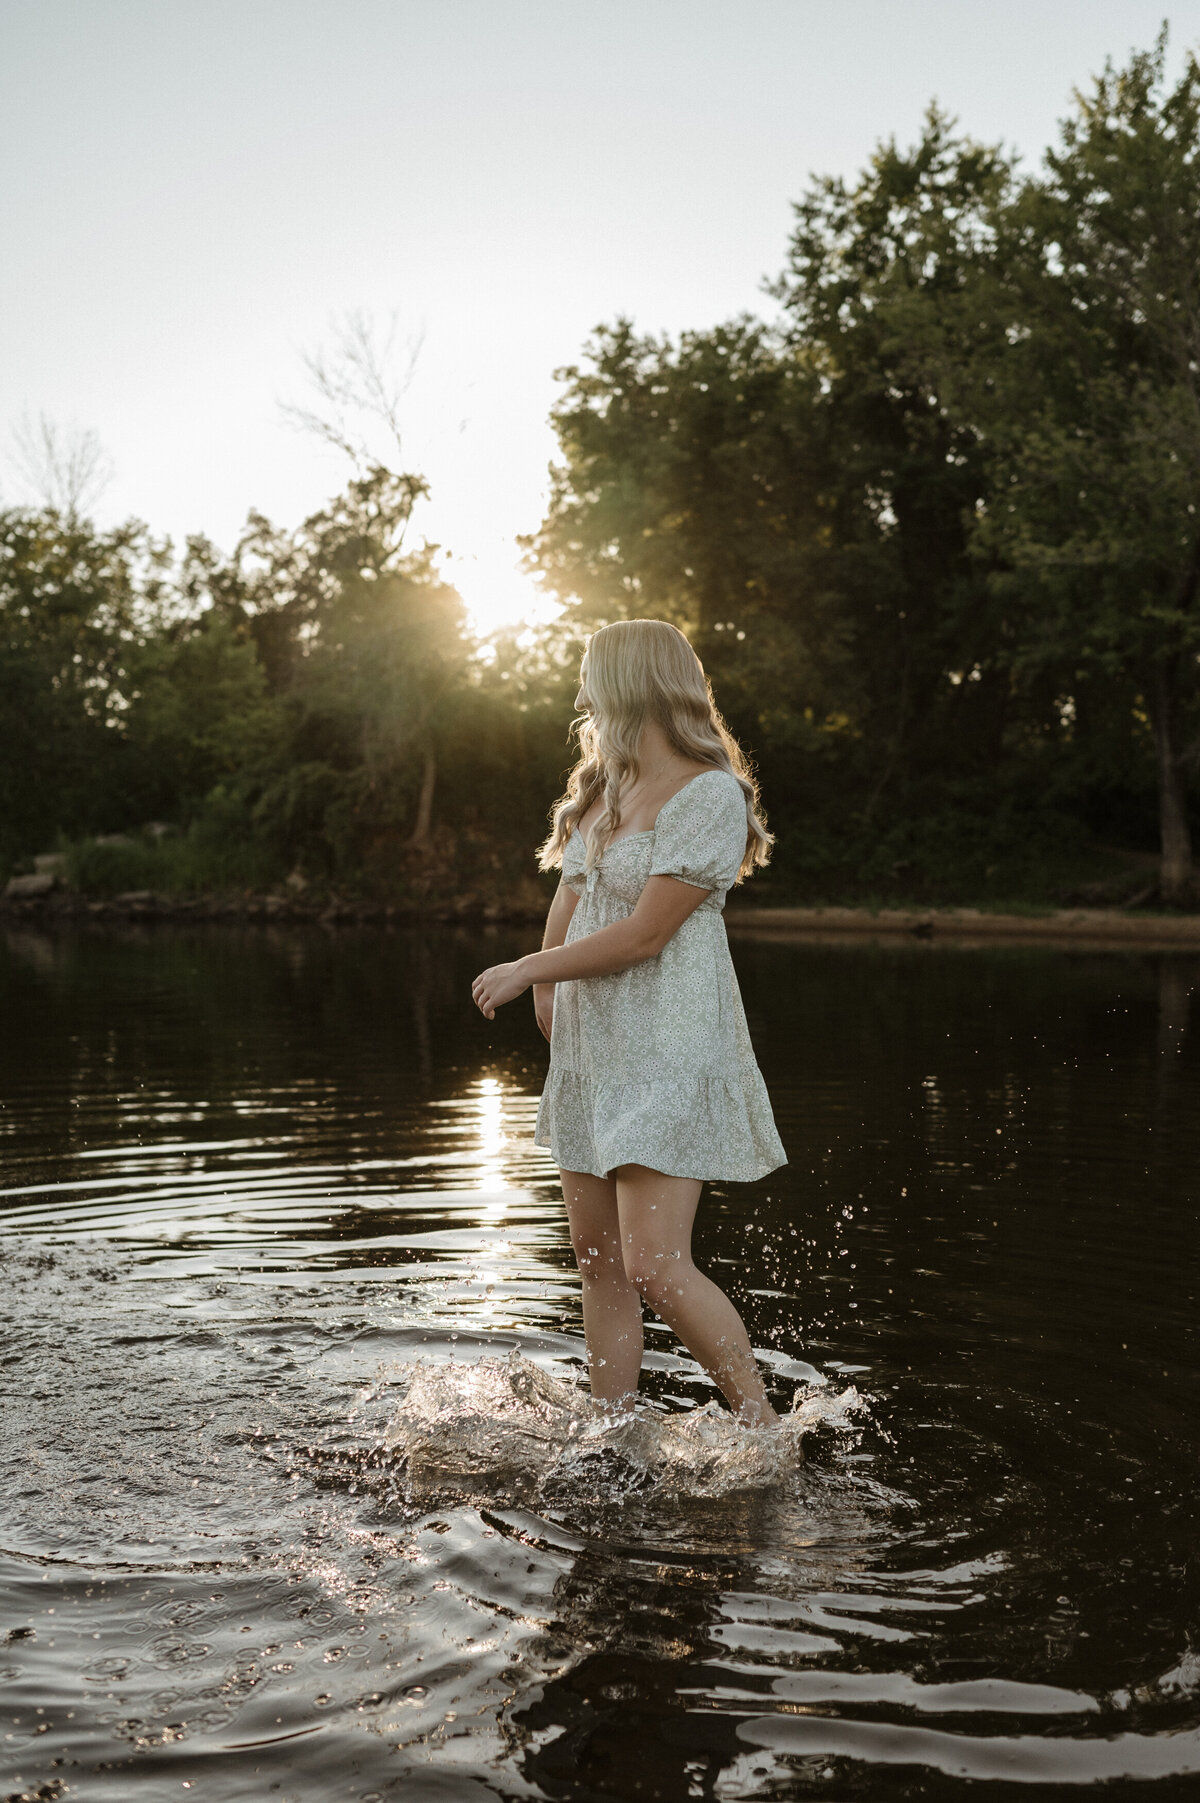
(700, 834)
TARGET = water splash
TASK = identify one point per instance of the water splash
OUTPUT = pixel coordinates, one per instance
(506, 1430)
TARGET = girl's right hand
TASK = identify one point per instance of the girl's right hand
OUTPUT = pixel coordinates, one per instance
(543, 1007)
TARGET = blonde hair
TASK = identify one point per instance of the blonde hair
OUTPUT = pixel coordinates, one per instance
(638, 671)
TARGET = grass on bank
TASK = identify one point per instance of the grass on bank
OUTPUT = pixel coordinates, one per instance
(183, 864)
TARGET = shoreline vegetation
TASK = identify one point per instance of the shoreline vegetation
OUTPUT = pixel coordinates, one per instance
(930, 525)
(1078, 892)
(1098, 928)
(45, 898)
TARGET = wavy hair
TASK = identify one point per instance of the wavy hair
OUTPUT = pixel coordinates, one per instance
(638, 671)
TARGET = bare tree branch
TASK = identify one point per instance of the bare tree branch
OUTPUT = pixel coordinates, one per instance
(66, 467)
(359, 382)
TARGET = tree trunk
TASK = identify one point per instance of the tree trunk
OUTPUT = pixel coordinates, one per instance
(897, 744)
(1176, 836)
(424, 821)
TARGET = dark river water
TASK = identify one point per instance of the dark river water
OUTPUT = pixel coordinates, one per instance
(301, 1494)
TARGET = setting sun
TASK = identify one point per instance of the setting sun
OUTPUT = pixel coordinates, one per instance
(497, 596)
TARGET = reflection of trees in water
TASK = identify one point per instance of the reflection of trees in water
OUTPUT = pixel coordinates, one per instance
(644, 1612)
(1177, 977)
(374, 1020)
(422, 1038)
(978, 1143)
(943, 1111)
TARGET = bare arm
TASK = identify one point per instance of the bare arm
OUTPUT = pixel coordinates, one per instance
(665, 903)
(557, 922)
(662, 908)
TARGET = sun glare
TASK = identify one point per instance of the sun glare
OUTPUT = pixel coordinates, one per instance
(498, 597)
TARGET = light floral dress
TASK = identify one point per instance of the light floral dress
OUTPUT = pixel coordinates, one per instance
(654, 1065)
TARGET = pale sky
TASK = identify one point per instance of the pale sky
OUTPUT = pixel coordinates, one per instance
(192, 190)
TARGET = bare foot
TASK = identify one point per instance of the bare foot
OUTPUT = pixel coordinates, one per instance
(758, 1414)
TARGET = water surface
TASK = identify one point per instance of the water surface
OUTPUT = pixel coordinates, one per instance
(301, 1494)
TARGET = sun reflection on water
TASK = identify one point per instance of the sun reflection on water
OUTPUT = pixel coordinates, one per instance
(492, 1140)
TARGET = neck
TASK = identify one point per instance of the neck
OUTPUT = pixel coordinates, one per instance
(654, 749)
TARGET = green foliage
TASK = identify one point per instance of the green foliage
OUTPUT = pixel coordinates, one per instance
(936, 530)
(74, 604)
(215, 854)
(284, 705)
(201, 713)
(1093, 413)
(880, 284)
(692, 490)
(933, 530)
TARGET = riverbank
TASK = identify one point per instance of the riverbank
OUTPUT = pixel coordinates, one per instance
(63, 906)
(1093, 926)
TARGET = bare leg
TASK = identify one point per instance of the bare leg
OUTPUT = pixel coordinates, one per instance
(612, 1308)
(656, 1215)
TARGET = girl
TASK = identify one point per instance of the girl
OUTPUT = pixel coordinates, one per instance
(653, 1086)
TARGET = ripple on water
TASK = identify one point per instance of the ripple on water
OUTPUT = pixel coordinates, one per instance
(300, 1485)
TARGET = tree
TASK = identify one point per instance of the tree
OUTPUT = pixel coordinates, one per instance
(395, 626)
(881, 287)
(362, 644)
(200, 714)
(388, 639)
(66, 468)
(75, 604)
(1092, 414)
(800, 497)
(690, 487)
(358, 391)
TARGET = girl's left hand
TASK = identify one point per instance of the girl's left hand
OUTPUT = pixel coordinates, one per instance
(502, 983)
